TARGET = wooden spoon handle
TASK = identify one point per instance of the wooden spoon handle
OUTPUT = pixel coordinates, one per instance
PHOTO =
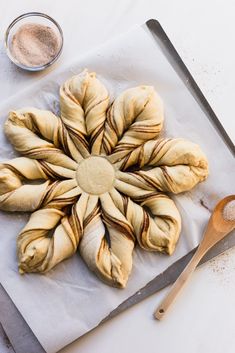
(178, 285)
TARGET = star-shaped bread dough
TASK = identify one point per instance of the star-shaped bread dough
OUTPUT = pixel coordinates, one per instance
(96, 178)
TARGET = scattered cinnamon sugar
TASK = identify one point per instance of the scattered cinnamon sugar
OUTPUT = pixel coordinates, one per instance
(223, 268)
(35, 45)
(229, 211)
(220, 264)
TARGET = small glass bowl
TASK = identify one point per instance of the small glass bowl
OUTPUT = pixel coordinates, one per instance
(32, 17)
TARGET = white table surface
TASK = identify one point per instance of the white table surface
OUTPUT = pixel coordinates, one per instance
(203, 318)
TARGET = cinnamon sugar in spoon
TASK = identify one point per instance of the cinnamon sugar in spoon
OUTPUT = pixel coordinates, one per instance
(221, 222)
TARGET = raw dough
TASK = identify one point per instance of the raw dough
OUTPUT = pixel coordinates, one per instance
(101, 176)
(95, 175)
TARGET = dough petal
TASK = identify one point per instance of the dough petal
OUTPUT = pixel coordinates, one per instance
(180, 165)
(134, 117)
(28, 197)
(32, 169)
(24, 129)
(108, 241)
(38, 250)
(60, 194)
(157, 226)
(84, 101)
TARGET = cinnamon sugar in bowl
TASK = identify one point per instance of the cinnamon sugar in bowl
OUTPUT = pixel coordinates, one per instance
(34, 41)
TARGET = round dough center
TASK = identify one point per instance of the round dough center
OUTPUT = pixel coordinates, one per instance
(95, 175)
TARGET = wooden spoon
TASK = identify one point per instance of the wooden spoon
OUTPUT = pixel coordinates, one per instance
(218, 227)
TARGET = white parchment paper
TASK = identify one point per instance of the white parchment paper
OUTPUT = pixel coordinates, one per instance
(69, 301)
